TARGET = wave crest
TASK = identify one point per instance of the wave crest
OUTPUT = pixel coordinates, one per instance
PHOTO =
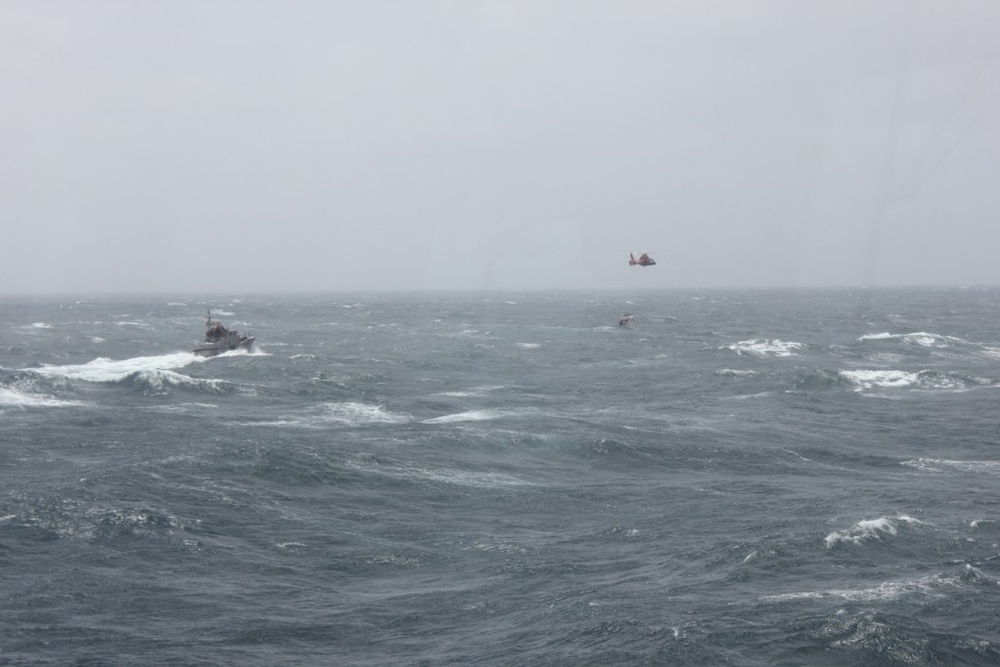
(897, 379)
(478, 416)
(159, 382)
(945, 465)
(870, 530)
(103, 369)
(918, 338)
(762, 347)
(10, 397)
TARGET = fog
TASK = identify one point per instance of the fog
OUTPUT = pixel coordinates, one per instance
(389, 145)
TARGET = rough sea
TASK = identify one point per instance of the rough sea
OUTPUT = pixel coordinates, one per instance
(761, 477)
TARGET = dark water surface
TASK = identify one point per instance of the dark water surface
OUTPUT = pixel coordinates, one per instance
(743, 478)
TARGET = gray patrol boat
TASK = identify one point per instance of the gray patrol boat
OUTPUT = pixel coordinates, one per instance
(219, 339)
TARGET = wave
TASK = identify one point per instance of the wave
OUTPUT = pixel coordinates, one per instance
(480, 415)
(897, 379)
(889, 590)
(161, 381)
(919, 338)
(103, 369)
(73, 520)
(763, 347)
(154, 375)
(474, 392)
(870, 530)
(869, 379)
(931, 343)
(150, 375)
(729, 372)
(348, 413)
(945, 465)
(20, 399)
(358, 414)
(818, 379)
(404, 470)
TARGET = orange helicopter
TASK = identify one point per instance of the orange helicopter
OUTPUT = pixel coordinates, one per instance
(643, 260)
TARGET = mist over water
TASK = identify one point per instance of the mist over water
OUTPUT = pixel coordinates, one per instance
(743, 477)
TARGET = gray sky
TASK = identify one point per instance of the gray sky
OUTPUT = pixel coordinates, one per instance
(364, 145)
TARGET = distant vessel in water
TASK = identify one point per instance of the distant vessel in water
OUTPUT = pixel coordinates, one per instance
(626, 321)
(219, 339)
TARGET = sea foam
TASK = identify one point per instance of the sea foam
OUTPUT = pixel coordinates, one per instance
(111, 370)
(946, 465)
(19, 399)
(889, 590)
(918, 338)
(479, 416)
(406, 470)
(869, 530)
(897, 379)
(765, 347)
(348, 413)
(888, 379)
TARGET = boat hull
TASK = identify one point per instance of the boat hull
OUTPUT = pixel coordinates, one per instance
(218, 347)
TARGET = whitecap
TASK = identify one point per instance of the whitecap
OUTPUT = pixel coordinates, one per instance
(744, 397)
(889, 590)
(896, 379)
(924, 339)
(885, 358)
(290, 545)
(359, 414)
(158, 381)
(946, 465)
(18, 399)
(730, 372)
(474, 391)
(878, 336)
(497, 547)
(348, 413)
(403, 470)
(103, 369)
(185, 407)
(869, 529)
(887, 379)
(478, 416)
(764, 347)
(919, 338)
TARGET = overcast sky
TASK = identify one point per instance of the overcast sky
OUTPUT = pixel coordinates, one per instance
(217, 145)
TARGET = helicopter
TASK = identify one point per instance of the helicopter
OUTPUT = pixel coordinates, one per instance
(643, 260)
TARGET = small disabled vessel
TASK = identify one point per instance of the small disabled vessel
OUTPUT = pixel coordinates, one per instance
(219, 339)
(626, 321)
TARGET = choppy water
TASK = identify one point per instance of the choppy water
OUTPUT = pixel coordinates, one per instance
(743, 478)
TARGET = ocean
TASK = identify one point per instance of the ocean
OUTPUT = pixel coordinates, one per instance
(744, 477)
